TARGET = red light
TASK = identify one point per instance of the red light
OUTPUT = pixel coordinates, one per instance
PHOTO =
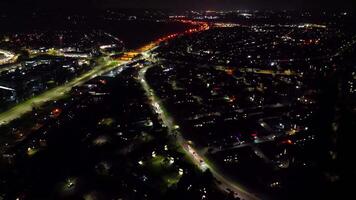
(230, 72)
(56, 112)
(287, 142)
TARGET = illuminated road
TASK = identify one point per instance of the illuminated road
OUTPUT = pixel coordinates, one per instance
(109, 65)
(55, 93)
(198, 158)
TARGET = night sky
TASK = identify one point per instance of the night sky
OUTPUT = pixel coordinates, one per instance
(180, 4)
(231, 4)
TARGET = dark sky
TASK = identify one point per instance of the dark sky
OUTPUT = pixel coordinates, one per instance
(232, 4)
(181, 4)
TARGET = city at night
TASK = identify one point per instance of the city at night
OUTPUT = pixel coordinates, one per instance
(177, 100)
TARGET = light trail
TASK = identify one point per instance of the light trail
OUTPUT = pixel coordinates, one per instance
(6, 88)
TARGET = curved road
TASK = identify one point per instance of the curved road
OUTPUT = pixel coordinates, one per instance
(199, 159)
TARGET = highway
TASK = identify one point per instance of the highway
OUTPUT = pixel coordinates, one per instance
(199, 159)
(57, 92)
